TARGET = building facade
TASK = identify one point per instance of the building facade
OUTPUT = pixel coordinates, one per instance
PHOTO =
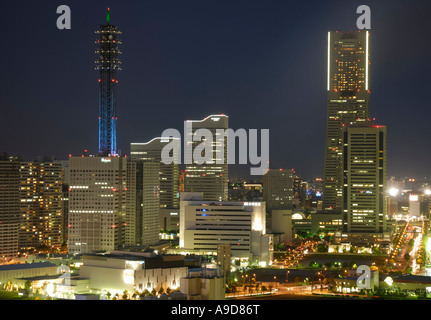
(133, 271)
(364, 179)
(169, 173)
(348, 103)
(142, 203)
(41, 205)
(211, 177)
(9, 205)
(204, 225)
(97, 198)
(278, 189)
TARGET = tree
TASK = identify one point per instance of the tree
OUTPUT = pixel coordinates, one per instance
(322, 248)
(408, 270)
(135, 294)
(8, 286)
(407, 256)
(125, 295)
(168, 290)
(108, 294)
(27, 285)
(161, 290)
(257, 287)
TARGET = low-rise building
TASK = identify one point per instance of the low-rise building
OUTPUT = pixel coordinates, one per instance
(14, 272)
(118, 271)
(206, 224)
(203, 285)
(395, 284)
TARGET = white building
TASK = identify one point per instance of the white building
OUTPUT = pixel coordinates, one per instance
(96, 203)
(211, 177)
(13, 272)
(206, 224)
(414, 206)
(133, 271)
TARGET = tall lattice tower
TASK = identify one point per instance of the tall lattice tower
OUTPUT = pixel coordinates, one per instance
(108, 64)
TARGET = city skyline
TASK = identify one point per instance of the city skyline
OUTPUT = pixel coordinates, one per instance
(172, 77)
(103, 198)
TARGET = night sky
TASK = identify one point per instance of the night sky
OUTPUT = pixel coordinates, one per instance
(263, 63)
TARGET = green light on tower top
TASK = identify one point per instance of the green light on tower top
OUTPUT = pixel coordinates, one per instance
(108, 15)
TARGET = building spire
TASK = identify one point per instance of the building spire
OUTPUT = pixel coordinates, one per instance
(108, 15)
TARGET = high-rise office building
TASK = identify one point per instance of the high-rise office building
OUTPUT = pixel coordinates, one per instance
(152, 191)
(97, 197)
(169, 173)
(108, 64)
(65, 200)
(210, 178)
(348, 103)
(65, 221)
(278, 189)
(9, 205)
(142, 203)
(41, 206)
(364, 197)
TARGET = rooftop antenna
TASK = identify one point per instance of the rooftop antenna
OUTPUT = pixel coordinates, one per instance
(108, 15)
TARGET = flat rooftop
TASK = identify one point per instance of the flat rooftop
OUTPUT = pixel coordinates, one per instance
(23, 266)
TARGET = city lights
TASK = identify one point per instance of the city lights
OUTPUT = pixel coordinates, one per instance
(102, 199)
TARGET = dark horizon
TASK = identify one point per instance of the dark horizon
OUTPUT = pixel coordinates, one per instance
(262, 63)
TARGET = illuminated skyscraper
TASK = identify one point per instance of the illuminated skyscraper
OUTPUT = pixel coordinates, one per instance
(364, 197)
(108, 64)
(152, 151)
(9, 205)
(211, 177)
(97, 201)
(348, 103)
(41, 216)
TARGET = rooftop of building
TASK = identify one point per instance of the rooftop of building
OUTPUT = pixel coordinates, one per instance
(151, 259)
(39, 278)
(22, 266)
